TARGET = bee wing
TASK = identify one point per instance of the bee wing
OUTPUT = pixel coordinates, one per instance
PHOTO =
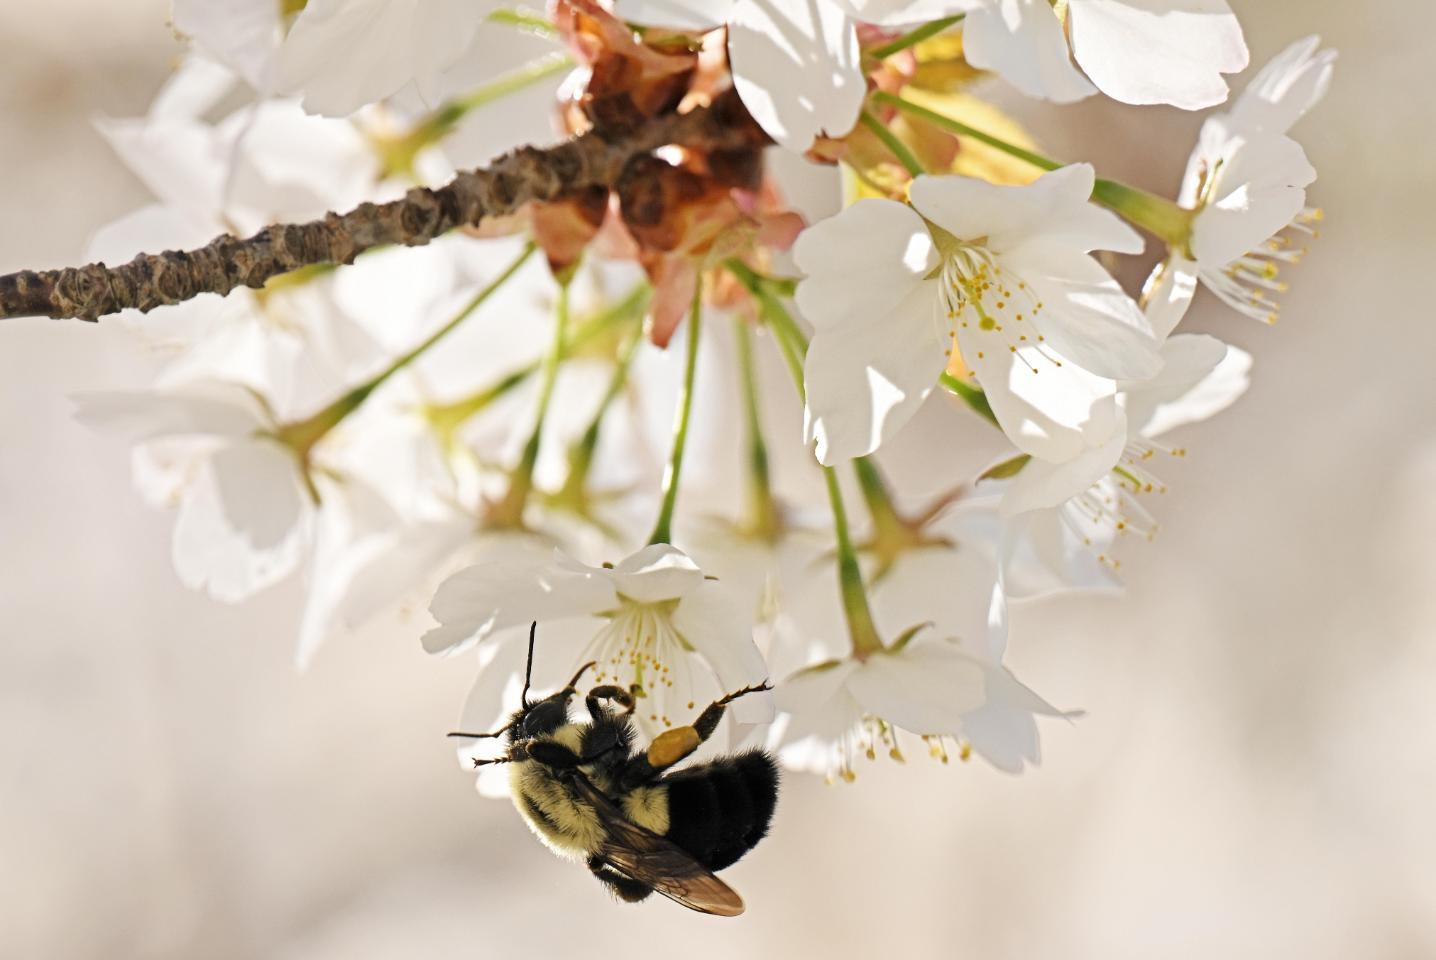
(645, 856)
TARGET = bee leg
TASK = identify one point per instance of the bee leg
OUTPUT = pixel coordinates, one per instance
(677, 743)
(708, 720)
(597, 695)
(624, 887)
(553, 755)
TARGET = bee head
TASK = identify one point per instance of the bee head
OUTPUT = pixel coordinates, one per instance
(538, 719)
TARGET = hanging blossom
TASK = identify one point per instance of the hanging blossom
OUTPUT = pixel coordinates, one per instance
(932, 690)
(342, 54)
(1000, 274)
(1246, 183)
(1136, 51)
(1068, 515)
(676, 637)
(795, 63)
(339, 55)
(947, 579)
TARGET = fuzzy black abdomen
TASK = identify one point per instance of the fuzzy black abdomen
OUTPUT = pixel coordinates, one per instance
(719, 811)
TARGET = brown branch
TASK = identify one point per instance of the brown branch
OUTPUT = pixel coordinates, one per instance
(526, 174)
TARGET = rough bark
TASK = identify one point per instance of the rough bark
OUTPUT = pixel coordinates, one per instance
(526, 174)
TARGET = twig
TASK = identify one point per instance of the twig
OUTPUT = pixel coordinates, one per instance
(526, 174)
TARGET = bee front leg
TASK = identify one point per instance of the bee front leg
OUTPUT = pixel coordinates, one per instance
(596, 697)
(553, 755)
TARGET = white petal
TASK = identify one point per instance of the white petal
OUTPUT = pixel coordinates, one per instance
(1261, 190)
(891, 13)
(1086, 315)
(862, 262)
(865, 380)
(658, 572)
(210, 409)
(210, 554)
(1167, 294)
(679, 14)
(795, 64)
(243, 34)
(1047, 556)
(810, 689)
(1285, 89)
(199, 84)
(364, 559)
(1045, 409)
(259, 489)
(1201, 378)
(925, 689)
(507, 591)
(1158, 51)
(1022, 40)
(714, 623)
(1055, 208)
(342, 54)
(1003, 730)
(1042, 485)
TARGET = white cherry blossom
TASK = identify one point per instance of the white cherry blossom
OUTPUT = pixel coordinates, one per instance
(795, 63)
(1001, 274)
(955, 587)
(244, 512)
(1072, 513)
(654, 620)
(343, 54)
(1137, 51)
(244, 35)
(1247, 182)
(837, 709)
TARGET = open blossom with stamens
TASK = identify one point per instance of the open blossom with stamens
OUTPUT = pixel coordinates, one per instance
(1136, 51)
(1001, 274)
(1247, 182)
(840, 708)
(1078, 510)
(657, 624)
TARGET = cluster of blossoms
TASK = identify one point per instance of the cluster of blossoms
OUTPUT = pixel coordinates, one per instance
(572, 414)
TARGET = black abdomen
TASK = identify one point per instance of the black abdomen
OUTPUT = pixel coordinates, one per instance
(719, 811)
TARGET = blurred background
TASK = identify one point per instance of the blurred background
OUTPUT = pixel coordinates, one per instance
(1253, 777)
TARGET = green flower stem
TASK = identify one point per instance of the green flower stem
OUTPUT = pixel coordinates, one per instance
(1160, 216)
(398, 154)
(895, 146)
(447, 417)
(302, 435)
(524, 20)
(914, 37)
(663, 529)
(510, 510)
(878, 498)
(963, 130)
(970, 395)
(763, 510)
(861, 629)
(791, 342)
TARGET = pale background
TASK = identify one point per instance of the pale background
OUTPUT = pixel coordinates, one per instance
(1254, 777)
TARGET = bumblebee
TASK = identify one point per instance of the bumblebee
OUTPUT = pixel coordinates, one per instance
(639, 825)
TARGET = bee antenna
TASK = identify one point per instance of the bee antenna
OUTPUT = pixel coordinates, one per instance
(478, 736)
(529, 670)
